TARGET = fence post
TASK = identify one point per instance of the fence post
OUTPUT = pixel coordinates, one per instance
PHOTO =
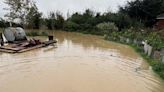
(50, 38)
(150, 48)
(162, 55)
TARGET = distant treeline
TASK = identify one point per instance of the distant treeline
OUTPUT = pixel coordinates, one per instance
(136, 14)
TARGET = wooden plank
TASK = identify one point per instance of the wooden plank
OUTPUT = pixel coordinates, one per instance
(31, 48)
(13, 49)
(7, 51)
(49, 42)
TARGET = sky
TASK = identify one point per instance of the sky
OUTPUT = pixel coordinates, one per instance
(72, 6)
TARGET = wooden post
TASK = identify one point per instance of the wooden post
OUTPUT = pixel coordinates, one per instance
(50, 38)
(1, 40)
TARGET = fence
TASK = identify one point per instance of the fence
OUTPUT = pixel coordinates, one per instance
(145, 47)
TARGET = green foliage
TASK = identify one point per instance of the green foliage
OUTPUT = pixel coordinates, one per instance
(2, 23)
(100, 23)
(85, 21)
(89, 20)
(159, 68)
(145, 11)
(33, 17)
(123, 21)
(18, 9)
(55, 21)
(59, 23)
(155, 40)
(132, 34)
(107, 28)
(71, 26)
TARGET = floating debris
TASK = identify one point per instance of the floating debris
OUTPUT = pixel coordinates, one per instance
(14, 40)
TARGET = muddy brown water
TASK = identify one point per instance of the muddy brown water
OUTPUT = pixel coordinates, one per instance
(80, 63)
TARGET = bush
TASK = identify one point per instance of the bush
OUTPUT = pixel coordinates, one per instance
(159, 68)
(71, 26)
(155, 40)
(107, 28)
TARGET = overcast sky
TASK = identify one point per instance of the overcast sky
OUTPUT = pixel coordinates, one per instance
(64, 6)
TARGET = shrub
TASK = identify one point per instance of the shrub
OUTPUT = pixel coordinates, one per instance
(159, 68)
(155, 40)
(107, 28)
(71, 26)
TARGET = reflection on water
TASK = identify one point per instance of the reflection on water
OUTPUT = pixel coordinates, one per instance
(80, 63)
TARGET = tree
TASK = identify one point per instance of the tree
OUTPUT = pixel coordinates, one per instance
(55, 20)
(70, 26)
(122, 21)
(17, 9)
(59, 23)
(85, 21)
(107, 28)
(144, 10)
(2, 23)
(33, 17)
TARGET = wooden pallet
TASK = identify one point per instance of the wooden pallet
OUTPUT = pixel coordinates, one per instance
(9, 49)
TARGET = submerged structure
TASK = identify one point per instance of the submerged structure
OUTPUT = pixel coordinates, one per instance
(14, 40)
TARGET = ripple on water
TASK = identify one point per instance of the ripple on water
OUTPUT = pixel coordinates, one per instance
(80, 63)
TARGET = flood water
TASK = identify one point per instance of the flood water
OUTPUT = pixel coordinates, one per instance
(79, 63)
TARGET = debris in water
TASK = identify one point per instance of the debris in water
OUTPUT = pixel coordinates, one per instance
(15, 40)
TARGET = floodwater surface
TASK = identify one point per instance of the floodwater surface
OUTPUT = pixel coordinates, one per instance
(79, 63)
